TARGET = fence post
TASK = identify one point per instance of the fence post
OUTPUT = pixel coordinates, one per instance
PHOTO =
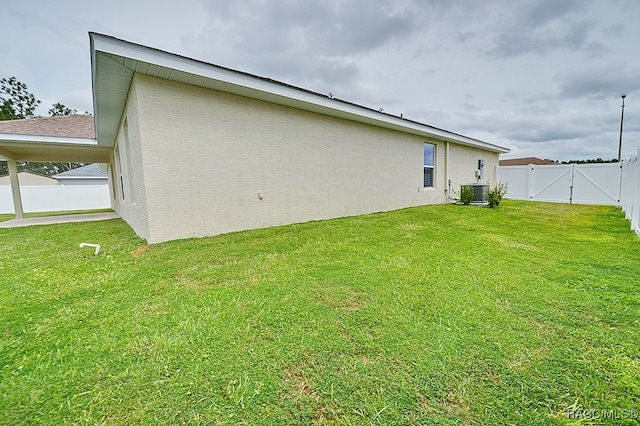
(630, 191)
(635, 195)
(573, 175)
(624, 169)
(620, 184)
(530, 177)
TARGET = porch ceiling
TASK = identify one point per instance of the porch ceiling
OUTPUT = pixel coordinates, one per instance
(55, 149)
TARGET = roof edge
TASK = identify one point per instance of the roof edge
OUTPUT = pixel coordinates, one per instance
(21, 138)
(113, 46)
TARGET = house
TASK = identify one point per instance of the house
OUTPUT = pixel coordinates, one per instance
(91, 174)
(525, 161)
(196, 149)
(30, 179)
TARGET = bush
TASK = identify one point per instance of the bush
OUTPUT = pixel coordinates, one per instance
(496, 193)
(466, 194)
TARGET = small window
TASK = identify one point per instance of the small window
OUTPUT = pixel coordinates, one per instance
(429, 164)
(119, 170)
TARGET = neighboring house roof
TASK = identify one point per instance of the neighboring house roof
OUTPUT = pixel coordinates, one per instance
(90, 171)
(70, 126)
(114, 63)
(62, 138)
(526, 161)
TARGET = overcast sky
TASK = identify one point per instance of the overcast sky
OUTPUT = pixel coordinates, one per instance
(541, 77)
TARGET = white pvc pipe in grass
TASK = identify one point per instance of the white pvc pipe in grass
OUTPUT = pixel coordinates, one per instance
(97, 247)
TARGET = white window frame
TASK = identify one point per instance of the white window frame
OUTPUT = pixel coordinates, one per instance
(431, 167)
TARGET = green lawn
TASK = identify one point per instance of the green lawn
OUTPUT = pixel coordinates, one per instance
(432, 315)
(4, 217)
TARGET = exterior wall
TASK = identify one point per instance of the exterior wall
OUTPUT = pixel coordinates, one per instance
(212, 163)
(463, 162)
(127, 173)
(30, 179)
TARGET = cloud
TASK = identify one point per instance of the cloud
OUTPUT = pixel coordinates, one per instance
(303, 41)
(599, 82)
(541, 75)
(542, 31)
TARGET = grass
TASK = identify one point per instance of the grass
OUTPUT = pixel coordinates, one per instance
(8, 216)
(431, 315)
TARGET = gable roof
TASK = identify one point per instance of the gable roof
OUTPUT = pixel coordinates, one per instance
(69, 126)
(115, 61)
(525, 161)
(90, 171)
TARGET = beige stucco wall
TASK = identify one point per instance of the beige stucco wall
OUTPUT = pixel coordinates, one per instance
(464, 162)
(127, 161)
(30, 179)
(211, 163)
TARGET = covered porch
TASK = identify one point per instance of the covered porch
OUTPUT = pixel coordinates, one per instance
(51, 139)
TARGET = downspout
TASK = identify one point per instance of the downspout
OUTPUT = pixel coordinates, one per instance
(447, 182)
(446, 164)
(15, 188)
(112, 189)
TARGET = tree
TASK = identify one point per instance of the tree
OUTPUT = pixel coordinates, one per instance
(43, 168)
(15, 100)
(17, 103)
(590, 161)
(60, 109)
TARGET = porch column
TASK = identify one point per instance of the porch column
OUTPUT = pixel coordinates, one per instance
(15, 188)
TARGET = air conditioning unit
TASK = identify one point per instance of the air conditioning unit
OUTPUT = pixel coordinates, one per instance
(480, 193)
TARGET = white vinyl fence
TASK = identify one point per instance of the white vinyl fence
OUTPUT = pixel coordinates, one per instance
(57, 198)
(616, 184)
(630, 193)
(564, 183)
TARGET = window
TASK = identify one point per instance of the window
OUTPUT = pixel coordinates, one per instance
(127, 152)
(119, 171)
(428, 164)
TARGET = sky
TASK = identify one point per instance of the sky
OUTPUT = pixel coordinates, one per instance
(543, 78)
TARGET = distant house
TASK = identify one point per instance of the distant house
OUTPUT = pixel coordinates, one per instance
(196, 149)
(30, 179)
(87, 175)
(525, 161)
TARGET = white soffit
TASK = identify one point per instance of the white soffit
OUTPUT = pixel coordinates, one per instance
(51, 148)
(18, 138)
(115, 61)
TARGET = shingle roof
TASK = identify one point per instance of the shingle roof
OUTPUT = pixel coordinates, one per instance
(71, 126)
(88, 171)
(526, 161)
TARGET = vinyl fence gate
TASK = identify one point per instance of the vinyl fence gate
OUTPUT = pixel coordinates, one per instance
(564, 183)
